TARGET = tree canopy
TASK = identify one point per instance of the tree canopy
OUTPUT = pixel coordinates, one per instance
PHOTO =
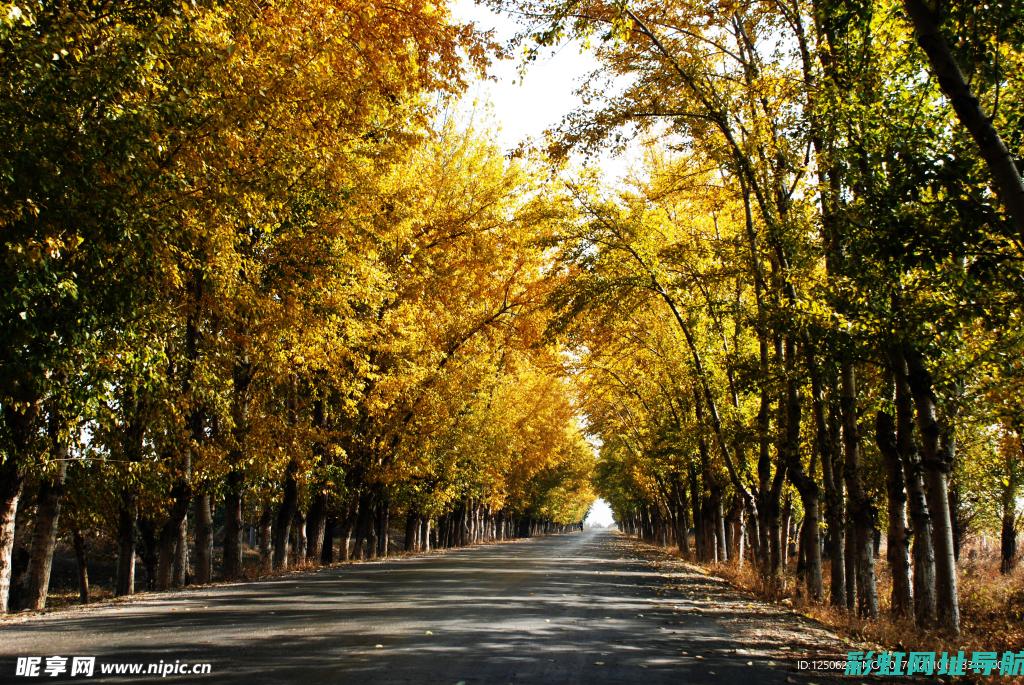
(257, 270)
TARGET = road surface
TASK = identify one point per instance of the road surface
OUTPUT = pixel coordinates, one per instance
(584, 608)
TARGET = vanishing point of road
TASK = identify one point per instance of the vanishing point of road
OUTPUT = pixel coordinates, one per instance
(588, 608)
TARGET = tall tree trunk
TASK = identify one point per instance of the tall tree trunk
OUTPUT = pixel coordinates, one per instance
(922, 552)
(316, 525)
(811, 543)
(425, 533)
(898, 542)
(266, 538)
(441, 531)
(698, 515)
(810, 537)
(233, 525)
(285, 516)
(11, 484)
(956, 517)
(370, 550)
(327, 548)
(82, 559)
(171, 534)
(463, 525)
(993, 150)
(172, 566)
(21, 425)
(769, 504)
(1008, 535)
(1008, 532)
(234, 482)
(722, 551)
(361, 548)
(786, 520)
(860, 511)
(44, 535)
(147, 550)
(804, 483)
(299, 538)
(132, 440)
(735, 523)
(204, 538)
(181, 576)
(682, 517)
(315, 517)
(835, 503)
(173, 563)
(383, 527)
(774, 526)
(850, 560)
(126, 516)
(345, 531)
(771, 492)
(411, 529)
(825, 445)
(937, 461)
(759, 514)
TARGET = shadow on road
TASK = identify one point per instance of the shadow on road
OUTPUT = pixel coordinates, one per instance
(580, 608)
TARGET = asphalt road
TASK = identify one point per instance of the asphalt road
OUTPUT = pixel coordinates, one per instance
(585, 608)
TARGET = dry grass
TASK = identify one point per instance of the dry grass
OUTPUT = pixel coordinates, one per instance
(66, 598)
(991, 608)
(992, 604)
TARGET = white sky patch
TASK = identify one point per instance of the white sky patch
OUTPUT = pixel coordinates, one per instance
(600, 514)
(524, 105)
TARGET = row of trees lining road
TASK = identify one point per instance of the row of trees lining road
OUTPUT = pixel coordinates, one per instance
(254, 280)
(249, 279)
(809, 307)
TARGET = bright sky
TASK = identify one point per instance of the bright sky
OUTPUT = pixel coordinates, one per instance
(600, 514)
(525, 105)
